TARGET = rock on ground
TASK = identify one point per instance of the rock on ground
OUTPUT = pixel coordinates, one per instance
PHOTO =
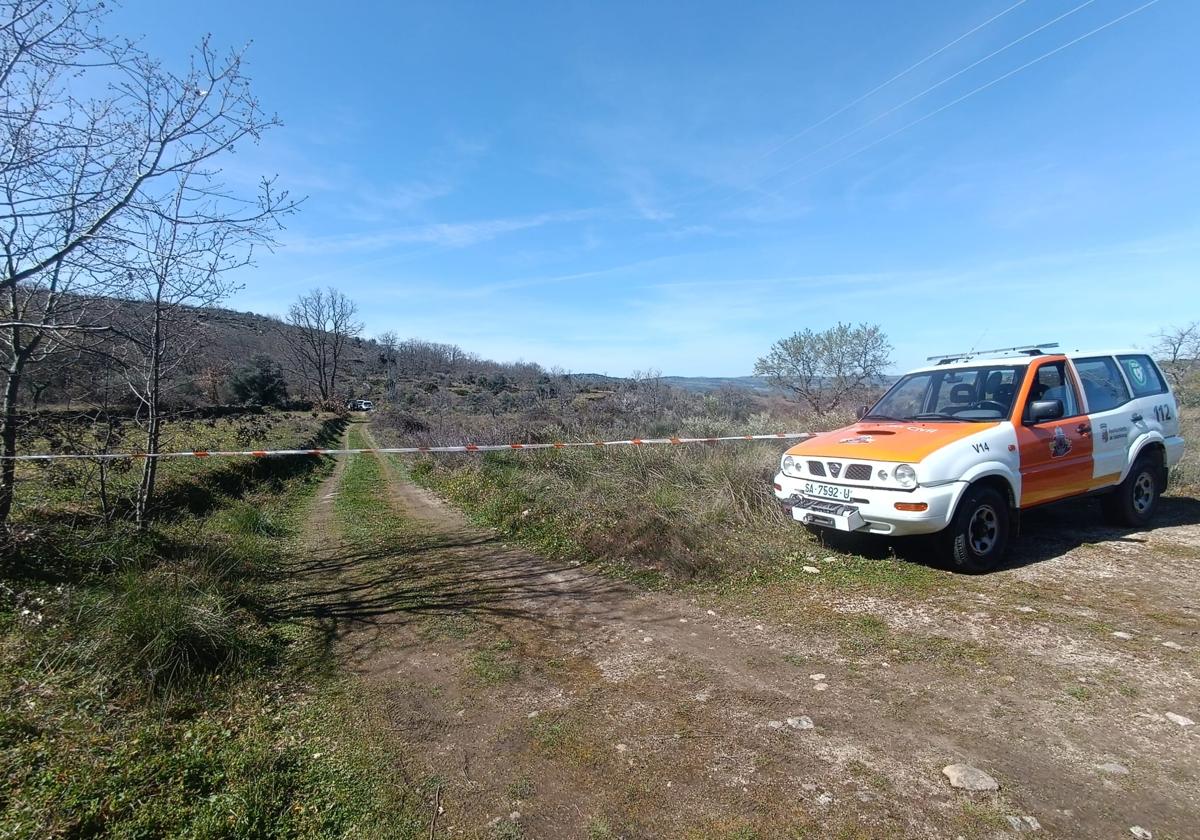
(966, 777)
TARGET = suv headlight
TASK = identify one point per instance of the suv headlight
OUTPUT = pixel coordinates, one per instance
(790, 466)
(905, 476)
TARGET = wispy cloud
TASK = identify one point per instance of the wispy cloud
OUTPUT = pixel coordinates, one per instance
(441, 234)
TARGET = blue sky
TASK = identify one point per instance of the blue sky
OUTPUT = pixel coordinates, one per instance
(618, 186)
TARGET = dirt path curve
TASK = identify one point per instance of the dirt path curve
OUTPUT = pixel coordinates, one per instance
(548, 702)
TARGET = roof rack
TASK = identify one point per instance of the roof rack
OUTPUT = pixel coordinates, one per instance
(1022, 349)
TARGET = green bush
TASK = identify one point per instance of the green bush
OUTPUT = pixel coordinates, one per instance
(163, 627)
(250, 520)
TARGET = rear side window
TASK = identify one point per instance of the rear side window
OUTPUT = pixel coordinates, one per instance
(1143, 375)
(1102, 383)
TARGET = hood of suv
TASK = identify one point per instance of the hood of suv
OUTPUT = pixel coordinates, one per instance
(899, 442)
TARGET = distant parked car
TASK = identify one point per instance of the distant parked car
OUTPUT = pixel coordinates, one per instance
(963, 446)
(360, 405)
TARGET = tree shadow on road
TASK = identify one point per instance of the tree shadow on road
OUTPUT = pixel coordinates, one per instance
(358, 597)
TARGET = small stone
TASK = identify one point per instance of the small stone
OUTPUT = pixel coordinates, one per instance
(710, 612)
(829, 560)
(820, 686)
(775, 724)
(514, 816)
(825, 799)
(1172, 645)
(532, 714)
(1113, 769)
(622, 748)
(966, 777)
(1180, 719)
(1121, 634)
(812, 570)
(1024, 823)
(647, 639)
(759, 627)
(702, 697)
(683, 621)
(816, 677)
(802, 722)
(1140, 833)
(1025, 609)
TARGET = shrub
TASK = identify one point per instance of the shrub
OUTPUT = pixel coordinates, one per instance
(261, 382)
(163, 627)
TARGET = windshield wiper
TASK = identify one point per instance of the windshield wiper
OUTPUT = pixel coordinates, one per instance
(882, 417)
(934, 415)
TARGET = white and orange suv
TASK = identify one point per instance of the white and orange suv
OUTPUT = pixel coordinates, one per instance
(960, 448)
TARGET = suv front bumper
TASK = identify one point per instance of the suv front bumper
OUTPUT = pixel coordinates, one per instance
(872, 510)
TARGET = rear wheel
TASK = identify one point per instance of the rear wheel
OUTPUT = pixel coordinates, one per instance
(977, 537)
(1133, 502)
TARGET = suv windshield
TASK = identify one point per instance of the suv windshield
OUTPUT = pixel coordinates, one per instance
(955, 394)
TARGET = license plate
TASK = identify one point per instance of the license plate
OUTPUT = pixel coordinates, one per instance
(828, 491)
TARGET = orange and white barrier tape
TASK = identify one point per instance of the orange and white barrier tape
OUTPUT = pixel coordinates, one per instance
(398, 450)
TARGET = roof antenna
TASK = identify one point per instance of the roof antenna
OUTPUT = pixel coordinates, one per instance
(982, 336)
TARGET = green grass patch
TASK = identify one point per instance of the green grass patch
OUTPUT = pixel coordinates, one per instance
(365, 514)
(494, 664)
(868, 636)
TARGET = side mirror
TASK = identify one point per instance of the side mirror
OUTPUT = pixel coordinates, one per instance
(1043, 410)
(861, 412)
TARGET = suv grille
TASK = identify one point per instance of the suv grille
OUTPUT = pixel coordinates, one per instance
(816, 468)
(859, 472)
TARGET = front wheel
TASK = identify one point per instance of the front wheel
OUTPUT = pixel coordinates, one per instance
(1135, 499)
(977, 537)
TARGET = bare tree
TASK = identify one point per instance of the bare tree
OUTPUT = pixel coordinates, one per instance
(74, 171)
(1178, 351)
(178, 270)
(89, 183)
(825, 368)
(319, 326)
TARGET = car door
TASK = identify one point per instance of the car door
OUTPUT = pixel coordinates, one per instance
(1112, 415)
(1056, 455)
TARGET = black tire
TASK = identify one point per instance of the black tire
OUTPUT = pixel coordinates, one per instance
(1133, 503)
(976, 539)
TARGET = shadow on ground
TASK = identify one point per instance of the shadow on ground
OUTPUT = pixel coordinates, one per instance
(1046, 533)
(356, 595)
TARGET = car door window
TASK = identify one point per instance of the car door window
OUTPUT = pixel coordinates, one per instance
(1103, 384)
(1143, 375)
(1051, 382)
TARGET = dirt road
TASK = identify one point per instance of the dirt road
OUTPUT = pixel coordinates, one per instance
(541, 700)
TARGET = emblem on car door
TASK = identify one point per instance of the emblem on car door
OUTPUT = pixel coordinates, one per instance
(1060, 444)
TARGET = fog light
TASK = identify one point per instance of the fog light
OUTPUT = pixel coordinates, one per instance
(916, 507)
